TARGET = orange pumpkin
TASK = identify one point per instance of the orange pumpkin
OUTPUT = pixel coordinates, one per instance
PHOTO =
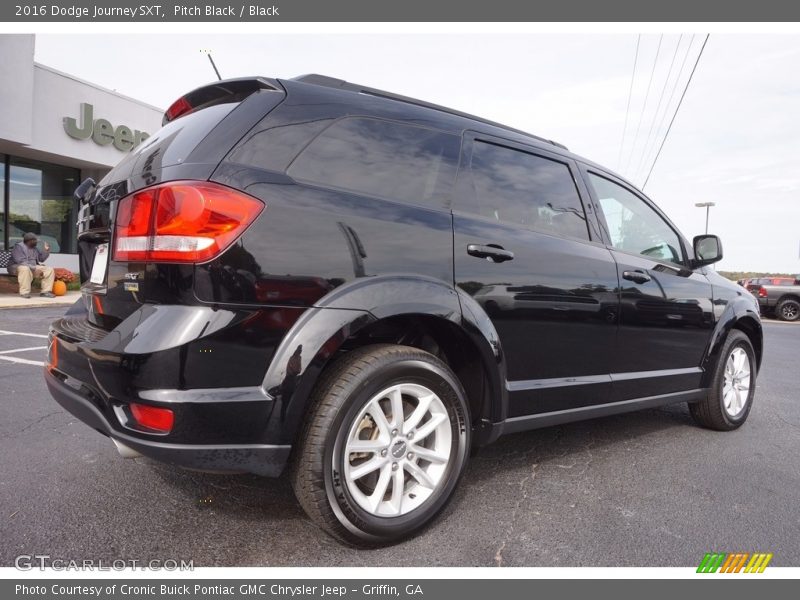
(59, 288)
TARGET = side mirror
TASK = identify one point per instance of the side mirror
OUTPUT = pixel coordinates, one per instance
(707, 250)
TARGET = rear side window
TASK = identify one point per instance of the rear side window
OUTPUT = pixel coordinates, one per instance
(384, 159)
(171, 144)
(512, 186)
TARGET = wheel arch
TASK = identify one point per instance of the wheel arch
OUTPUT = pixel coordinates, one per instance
(741, 315)
(789, 296)
(418, 312)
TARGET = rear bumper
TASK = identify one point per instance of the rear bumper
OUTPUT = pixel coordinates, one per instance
(261, 459)
(205, 365)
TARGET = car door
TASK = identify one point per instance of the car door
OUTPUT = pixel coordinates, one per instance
(527, 252)
(666, 308)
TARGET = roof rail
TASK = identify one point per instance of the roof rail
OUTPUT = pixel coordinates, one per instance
(332, 82)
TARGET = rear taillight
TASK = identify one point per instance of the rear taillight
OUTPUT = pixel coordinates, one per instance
(153, 417)
(762, 292)
(181, 221)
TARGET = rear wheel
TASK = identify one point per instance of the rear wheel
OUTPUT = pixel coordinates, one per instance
(788, 310)
(384, 446)
(731, 395)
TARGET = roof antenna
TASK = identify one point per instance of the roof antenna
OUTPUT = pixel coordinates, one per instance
(214, 66)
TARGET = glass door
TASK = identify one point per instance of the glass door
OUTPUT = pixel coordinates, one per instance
(41, 201)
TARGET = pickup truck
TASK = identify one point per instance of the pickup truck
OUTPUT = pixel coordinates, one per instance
(777, 296)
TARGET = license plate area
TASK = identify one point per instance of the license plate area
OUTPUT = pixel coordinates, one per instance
(99, 265)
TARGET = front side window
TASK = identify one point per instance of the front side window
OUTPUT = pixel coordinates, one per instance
(389, 160)
(633, 225)
(516, 187)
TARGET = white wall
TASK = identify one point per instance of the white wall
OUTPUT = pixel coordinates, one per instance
(35, 99)
(57, 95)
(16, 87)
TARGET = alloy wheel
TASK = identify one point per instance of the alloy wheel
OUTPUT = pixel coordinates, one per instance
(789, 311)
(736, 384)
(397, 450)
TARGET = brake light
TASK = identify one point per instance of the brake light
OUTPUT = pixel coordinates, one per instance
(762, 292)
(180, 107)
(181, 221)
(153, 417)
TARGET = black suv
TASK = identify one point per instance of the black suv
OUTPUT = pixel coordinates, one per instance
(365, 287)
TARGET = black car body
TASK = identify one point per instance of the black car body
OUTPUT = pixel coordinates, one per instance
(367, 222)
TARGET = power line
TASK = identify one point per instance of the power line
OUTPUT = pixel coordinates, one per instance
(628, 108)
(658, 107)
(671, 96)
(644, 106)
(677, 108)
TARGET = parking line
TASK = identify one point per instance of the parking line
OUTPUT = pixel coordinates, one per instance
(23, 349)
(22, 361)
(36, 335)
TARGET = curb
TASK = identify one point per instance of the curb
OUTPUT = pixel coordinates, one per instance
(36, 305)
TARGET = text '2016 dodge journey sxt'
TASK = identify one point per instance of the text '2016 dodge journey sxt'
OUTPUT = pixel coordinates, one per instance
(361, 288)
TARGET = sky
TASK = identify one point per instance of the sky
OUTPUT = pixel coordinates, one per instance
(735, 140)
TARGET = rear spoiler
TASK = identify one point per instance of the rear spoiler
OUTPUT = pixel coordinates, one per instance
(219, 92)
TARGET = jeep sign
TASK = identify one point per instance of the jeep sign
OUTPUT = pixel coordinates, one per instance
(102, 131)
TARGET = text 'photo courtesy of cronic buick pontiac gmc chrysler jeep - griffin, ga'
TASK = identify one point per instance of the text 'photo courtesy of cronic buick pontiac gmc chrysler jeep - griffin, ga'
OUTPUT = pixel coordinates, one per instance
(361, 288)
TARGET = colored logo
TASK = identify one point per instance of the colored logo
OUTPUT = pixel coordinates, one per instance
(737, 562)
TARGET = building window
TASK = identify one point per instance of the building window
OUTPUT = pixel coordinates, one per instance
(3, 165)
(40, 199)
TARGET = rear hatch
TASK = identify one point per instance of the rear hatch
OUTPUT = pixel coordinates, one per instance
(119, 274)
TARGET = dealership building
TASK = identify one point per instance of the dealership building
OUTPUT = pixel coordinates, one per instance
(56, 130)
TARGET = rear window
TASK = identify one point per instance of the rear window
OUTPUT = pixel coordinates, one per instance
(383, 159)
(772, 281)
(172, 143)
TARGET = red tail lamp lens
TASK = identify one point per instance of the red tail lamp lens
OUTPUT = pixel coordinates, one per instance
(180, 107)
(762, 292)
(153, 417)
(181, 221)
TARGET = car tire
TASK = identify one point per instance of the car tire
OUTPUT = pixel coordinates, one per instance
(492, 308)
(730, 397)
(373, 480)
(788, 310)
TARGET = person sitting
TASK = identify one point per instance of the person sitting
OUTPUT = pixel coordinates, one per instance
(27, 262)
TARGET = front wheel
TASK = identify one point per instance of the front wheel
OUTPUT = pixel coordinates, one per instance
(730, 398)
(384, 446)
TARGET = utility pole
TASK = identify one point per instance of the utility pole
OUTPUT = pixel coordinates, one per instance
(707, 206)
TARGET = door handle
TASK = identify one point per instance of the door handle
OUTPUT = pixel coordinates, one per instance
(492, 252)
(636, 276)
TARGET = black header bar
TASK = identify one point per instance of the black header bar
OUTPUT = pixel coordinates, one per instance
(400, 11)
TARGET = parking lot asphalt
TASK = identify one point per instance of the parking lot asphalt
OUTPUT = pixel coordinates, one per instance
(643, 489)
